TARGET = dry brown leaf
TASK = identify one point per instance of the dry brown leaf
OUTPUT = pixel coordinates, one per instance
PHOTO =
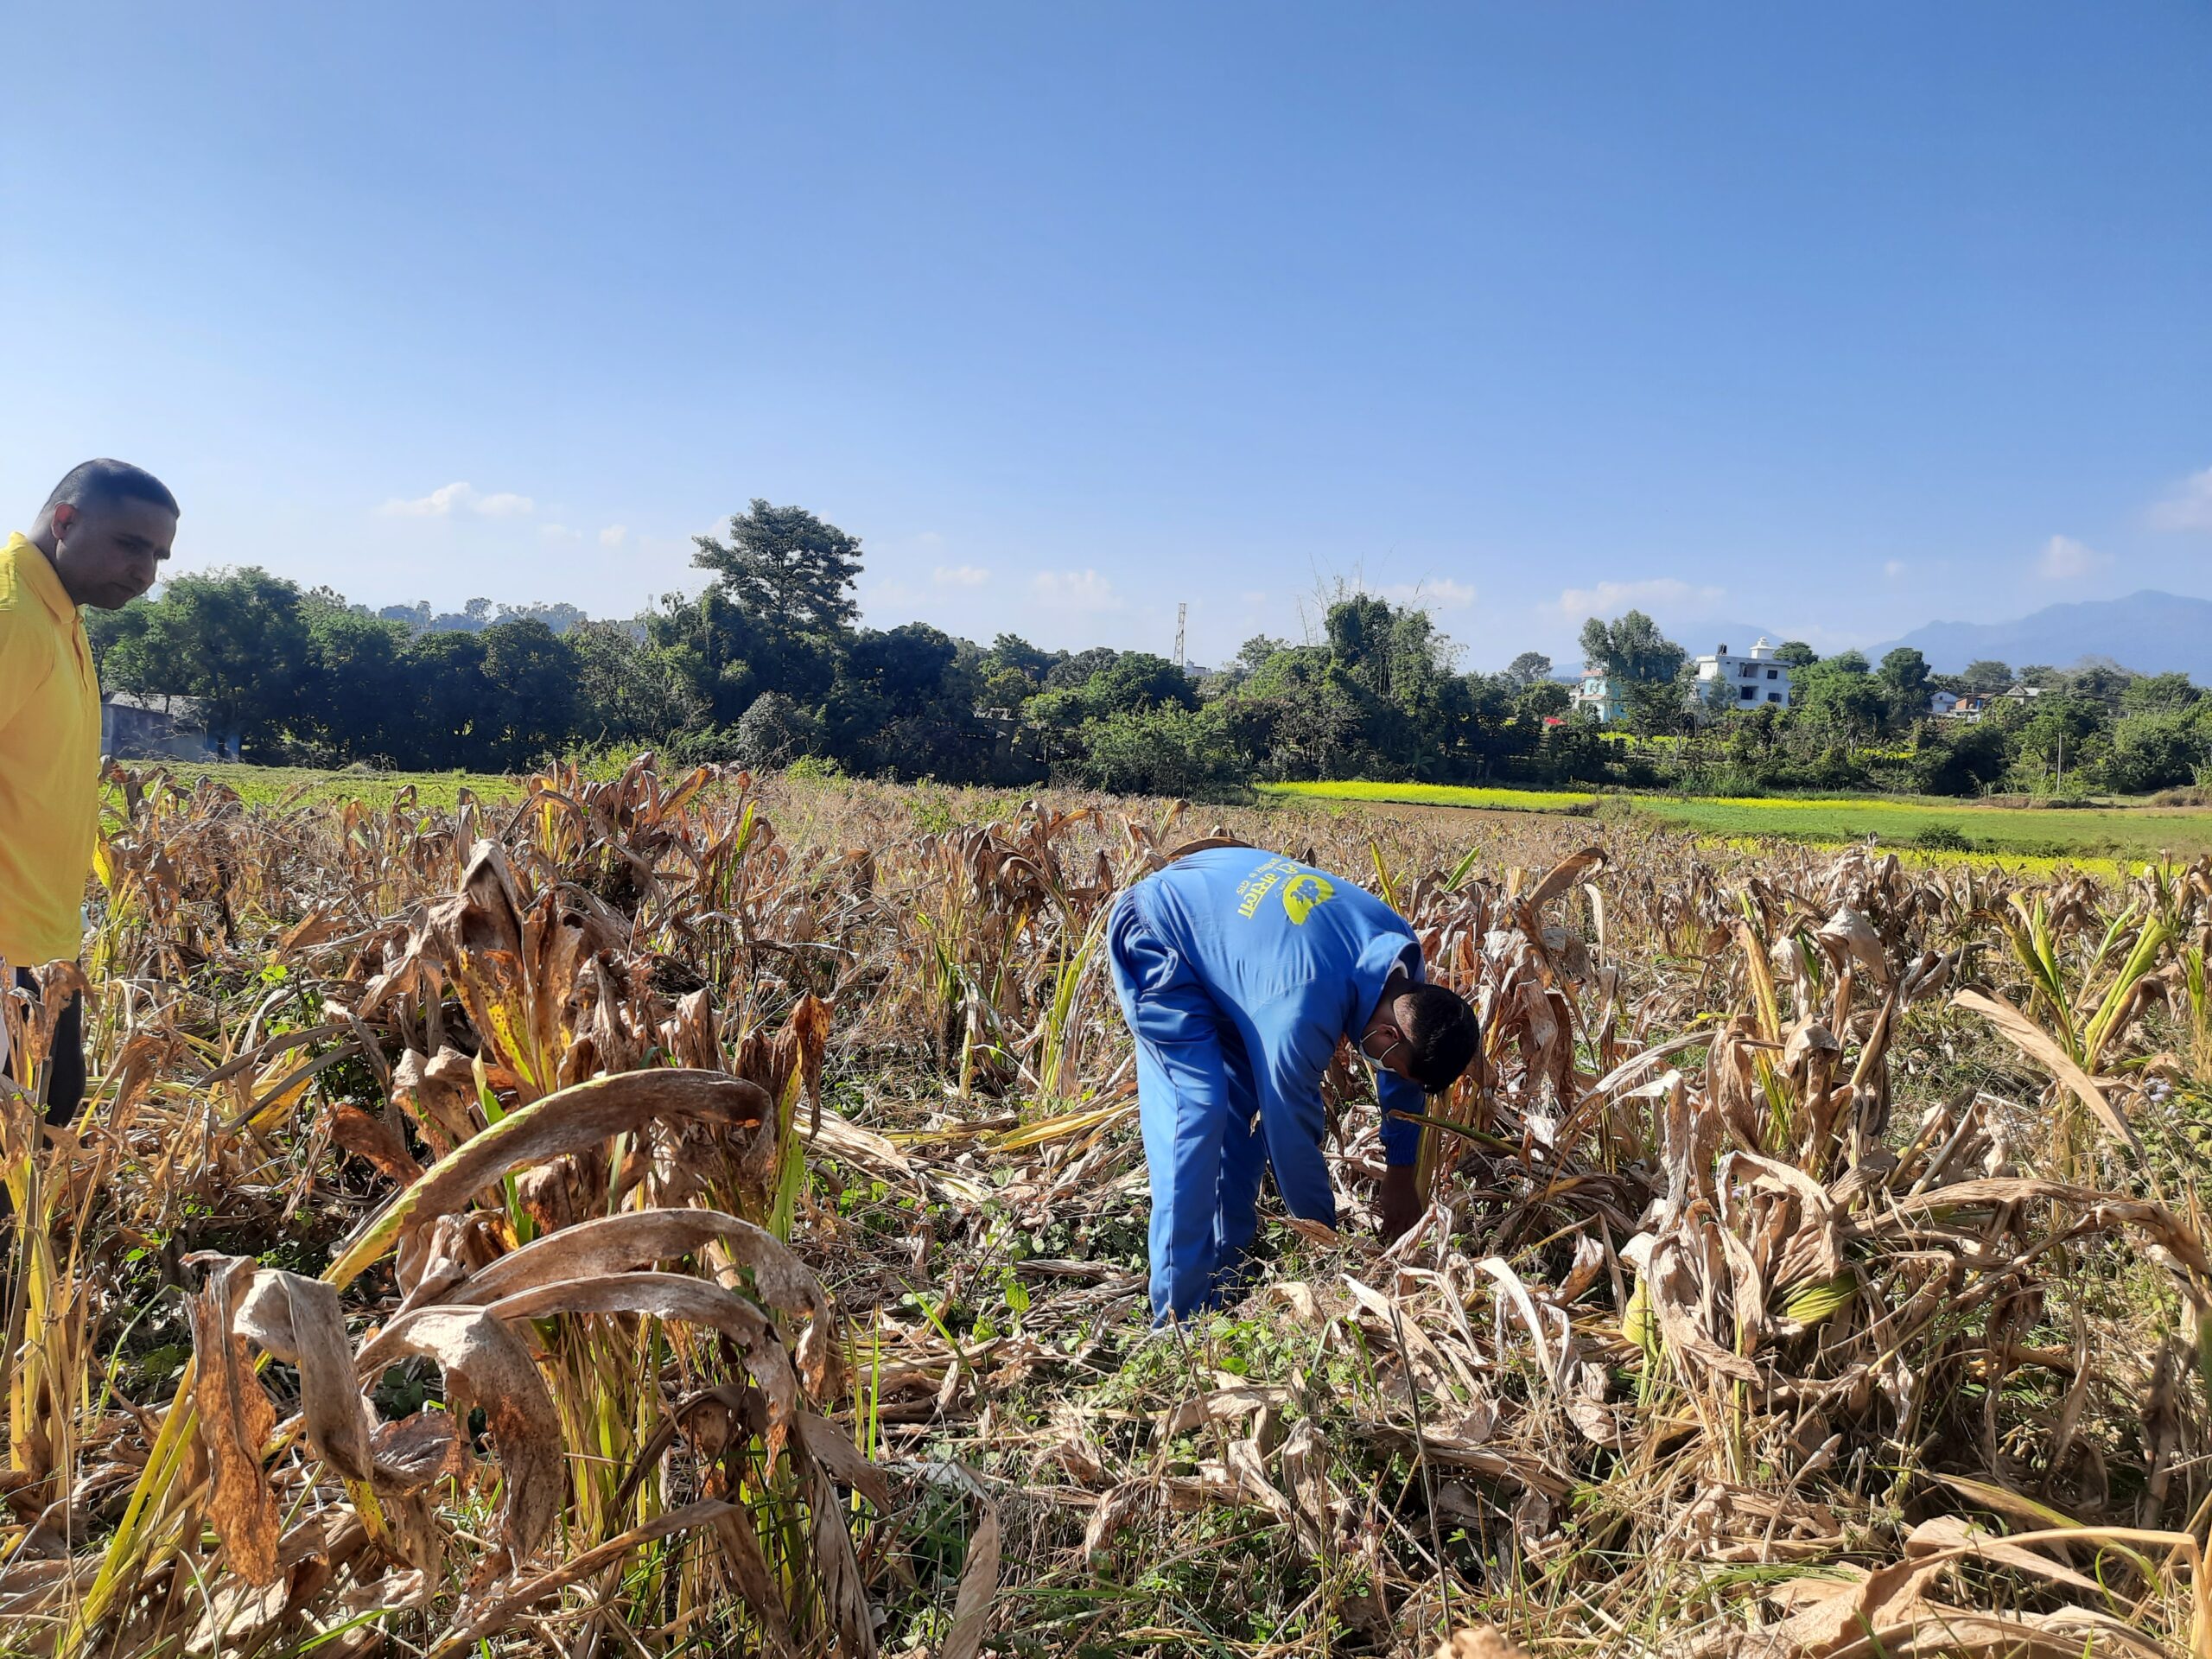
(671, 1296)
(571, 1120)
(2039, 1045)
(979, 1585)
(235, 1419)
(485, 1367)
(300, 1321)
(1563, 875)
(833, 1448)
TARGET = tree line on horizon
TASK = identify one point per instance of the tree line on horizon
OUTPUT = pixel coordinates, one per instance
(769, 666)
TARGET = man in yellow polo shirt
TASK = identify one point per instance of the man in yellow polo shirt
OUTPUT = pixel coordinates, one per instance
(100, 540)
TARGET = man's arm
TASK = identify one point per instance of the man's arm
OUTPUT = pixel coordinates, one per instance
(1401, 1201)
(1293, 1038)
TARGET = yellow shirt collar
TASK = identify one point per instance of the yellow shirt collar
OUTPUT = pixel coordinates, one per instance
(39, 571)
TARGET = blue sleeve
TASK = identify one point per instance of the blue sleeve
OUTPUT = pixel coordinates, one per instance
(1401, 1140)
(1296, 1037)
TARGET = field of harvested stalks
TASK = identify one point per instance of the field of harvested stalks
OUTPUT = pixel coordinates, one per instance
(683, 1215)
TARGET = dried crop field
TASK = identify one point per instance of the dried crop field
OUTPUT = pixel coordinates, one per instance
(660, 1214)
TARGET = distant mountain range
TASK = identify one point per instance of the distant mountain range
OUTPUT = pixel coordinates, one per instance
(2151, 632)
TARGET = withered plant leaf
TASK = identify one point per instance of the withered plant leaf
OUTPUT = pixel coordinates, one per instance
(756, 1579)
(672, 1296)
(376, 1139)
(636, 1238)
(979, 1585)
(833, 1448)
(301, 1322)
(235, 1419)
(570, 1121)
(842, 1582)
(1563, 875)
(2039, 1045)
(485, 1366)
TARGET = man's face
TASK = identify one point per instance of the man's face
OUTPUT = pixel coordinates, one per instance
(107, 557)
(1385, 1045)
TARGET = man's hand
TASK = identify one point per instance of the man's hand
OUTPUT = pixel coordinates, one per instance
(1401, 1201)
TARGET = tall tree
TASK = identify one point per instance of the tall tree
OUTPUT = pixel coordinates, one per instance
(1987, 674)
(1906, 671)
(1528, 669)
(790, 572)
(531, 671)
(1631, 647)
(235, 641)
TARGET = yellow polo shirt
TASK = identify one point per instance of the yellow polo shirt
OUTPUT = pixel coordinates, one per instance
(49, 761)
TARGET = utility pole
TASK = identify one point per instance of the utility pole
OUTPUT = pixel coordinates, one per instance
(1182, 616)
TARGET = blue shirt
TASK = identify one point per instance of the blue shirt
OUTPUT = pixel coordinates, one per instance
(1298, 959)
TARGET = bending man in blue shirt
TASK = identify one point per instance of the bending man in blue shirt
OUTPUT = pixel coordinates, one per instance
(1238, 972)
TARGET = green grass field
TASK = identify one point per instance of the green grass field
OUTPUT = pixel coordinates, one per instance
(1942, 828)
(1938, 829)
(2046, 832)
(1496, 800)
(303, 785)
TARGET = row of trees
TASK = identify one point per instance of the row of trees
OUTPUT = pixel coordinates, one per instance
(769, 664)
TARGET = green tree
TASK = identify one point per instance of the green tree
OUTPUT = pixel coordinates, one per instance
(1167, 749)
(530, 674)
(1797, 653)
(1013, 670)
(1139, 680)
(1542, 700)
(629, 690)
(1840, 697)
(1529, 668)
(446, 719)
(235, 640)
(1987, 674)
(2059, 740)
(775, 731)
(789, 572)
(2159, 748)
(2150, 693)
(1075, 670)
(904, 705)
(352, 685)
(1631, 648)
(1905, 673)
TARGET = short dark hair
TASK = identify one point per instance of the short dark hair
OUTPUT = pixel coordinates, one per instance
(103, 482)
(1442, 1034)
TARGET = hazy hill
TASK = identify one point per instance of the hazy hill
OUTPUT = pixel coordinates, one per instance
(2150, 631)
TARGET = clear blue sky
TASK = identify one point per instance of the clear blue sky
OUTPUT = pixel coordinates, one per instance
(1827, 319)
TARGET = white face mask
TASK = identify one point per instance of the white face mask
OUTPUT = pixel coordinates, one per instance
(1381, 1062)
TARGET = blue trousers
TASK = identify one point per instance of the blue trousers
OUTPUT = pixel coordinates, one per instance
(1204, 1147)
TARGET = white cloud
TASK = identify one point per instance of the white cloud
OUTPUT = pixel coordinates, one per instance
(613, 535)
(560, 533)
(449, 498)
(960, 575)
(2187, 505)
(930, 539)
(1893, 568)
(1074, 590)
(1443, 595)
(1608, 598)
(436, 504)
(2064, 559)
